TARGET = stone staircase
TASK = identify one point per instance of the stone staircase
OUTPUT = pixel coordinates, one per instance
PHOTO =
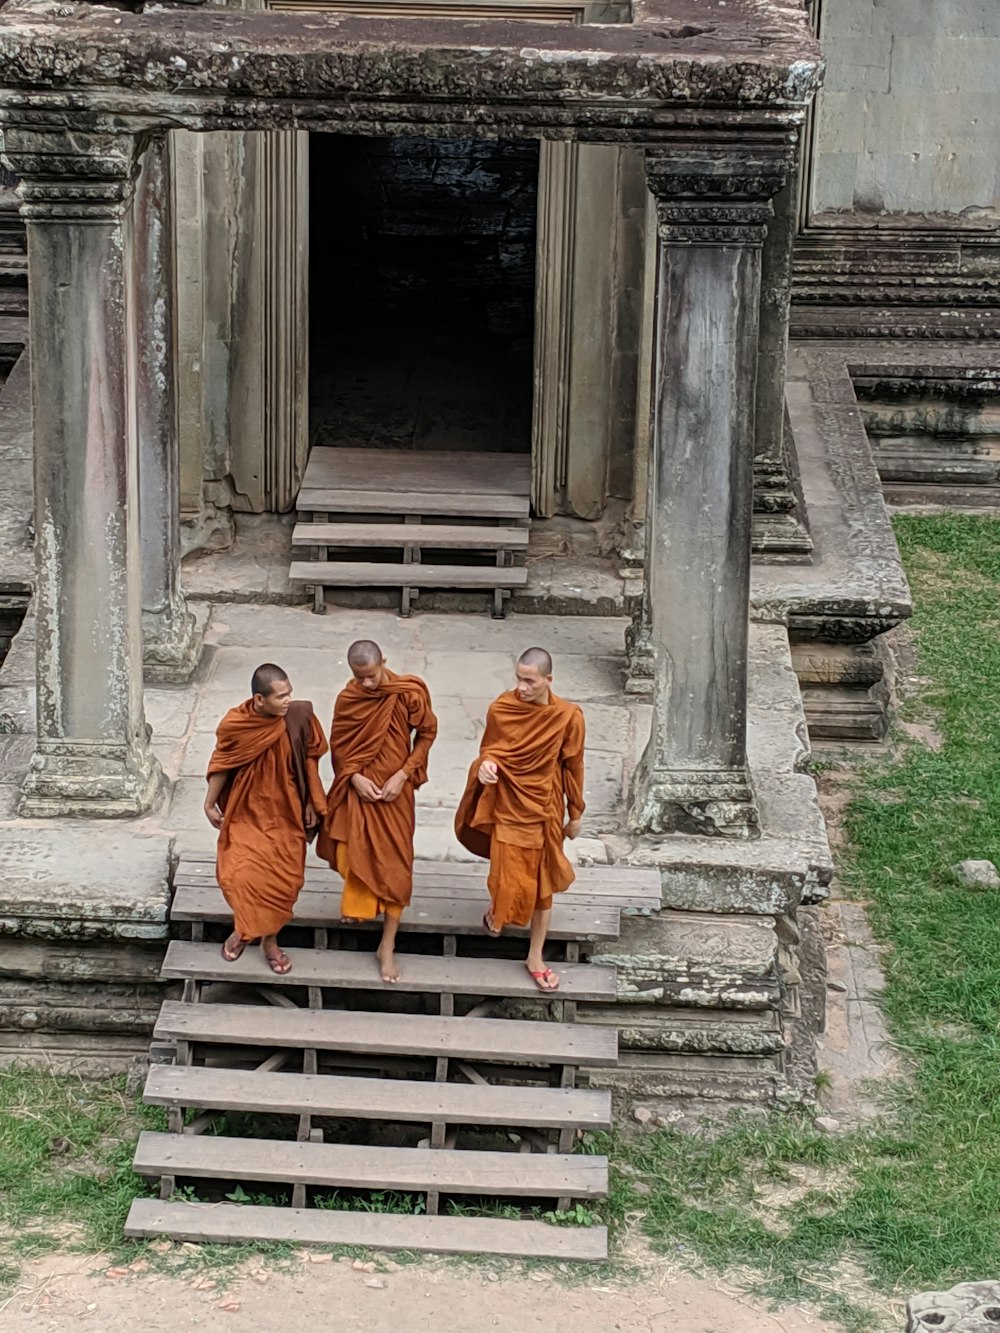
(445, 1089)
(419, 520)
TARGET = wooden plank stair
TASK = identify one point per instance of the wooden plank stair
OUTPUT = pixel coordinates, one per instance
(317, 1048)
(487, 496)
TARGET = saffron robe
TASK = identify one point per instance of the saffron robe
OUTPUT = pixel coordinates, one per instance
(376, 733)
(517, 822)
(261, 853)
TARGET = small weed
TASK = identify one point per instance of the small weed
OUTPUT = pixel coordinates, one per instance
(577, 1216)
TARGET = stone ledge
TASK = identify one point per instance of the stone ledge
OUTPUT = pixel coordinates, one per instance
(62, 883)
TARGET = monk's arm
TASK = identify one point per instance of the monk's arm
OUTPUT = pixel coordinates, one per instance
(572, 768)
(425, 727)
(315, 749)
(216, 782)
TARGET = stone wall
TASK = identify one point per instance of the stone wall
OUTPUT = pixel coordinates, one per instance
(909, 117)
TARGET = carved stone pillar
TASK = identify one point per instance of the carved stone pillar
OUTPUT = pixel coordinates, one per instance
(93, 755)
(778, 530)
(712, 204)
(172, 643)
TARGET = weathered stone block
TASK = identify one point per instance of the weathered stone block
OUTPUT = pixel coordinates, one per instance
(970, 1307)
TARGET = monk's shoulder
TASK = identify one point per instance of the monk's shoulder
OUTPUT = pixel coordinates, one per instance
(230, 720)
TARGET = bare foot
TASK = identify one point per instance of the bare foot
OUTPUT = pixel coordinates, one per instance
(233, 947)
(387, 964)
(351, 920)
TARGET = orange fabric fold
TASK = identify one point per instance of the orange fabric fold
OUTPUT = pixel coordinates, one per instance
(517, 823)
(261, 854)
(377, 733)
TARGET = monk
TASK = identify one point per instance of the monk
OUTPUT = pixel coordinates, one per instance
(523, 797)
(383, 729)
(266, 799)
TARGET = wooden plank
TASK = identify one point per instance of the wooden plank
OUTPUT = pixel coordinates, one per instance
(592, 883)
(338, 968)
(320, 881)
(399, 1034)
(426, 503)
(427, 535)
(404, 471)
(244, 1223)
(377, 1098)
(346, 1166)
(433, 916)
(371, 574)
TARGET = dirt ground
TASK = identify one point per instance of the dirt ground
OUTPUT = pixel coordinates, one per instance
(315, 1291)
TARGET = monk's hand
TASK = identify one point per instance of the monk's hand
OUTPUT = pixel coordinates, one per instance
(488, 772)
(392, 788)
(312, 818)
(365, 788)
(214, 816)
(572, 828)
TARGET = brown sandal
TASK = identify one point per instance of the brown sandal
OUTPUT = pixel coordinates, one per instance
(232, 957)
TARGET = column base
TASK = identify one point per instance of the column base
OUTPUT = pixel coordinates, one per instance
(172, 641)
(90, 779)
(712, 802)
(639, 659)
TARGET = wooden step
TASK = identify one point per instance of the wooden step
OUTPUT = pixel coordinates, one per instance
(430, 535)
(372, 574)
(248, 1223)
(339, 969)
(431, 916)
(349, 1098)
(345, 1166)
(426, 504)
(620, 886)
(516, 1042)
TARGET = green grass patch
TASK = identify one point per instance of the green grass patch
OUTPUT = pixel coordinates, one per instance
(915, 1202)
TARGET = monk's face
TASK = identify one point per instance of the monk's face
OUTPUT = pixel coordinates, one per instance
(532, 687)
(371, 675)
(276, 703)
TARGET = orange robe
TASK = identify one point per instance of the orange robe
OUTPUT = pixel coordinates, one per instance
(518, 821)
(261, 855)
(370, 843)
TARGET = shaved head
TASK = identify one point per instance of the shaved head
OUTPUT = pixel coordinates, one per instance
(265, 678)
(364, 653)
(537, 658)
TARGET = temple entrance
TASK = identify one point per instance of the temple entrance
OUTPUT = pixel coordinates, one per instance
(422, 293)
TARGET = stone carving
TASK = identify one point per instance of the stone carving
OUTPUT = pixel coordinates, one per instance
(971, 1307)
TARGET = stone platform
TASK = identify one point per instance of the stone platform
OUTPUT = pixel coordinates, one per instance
(710, 988)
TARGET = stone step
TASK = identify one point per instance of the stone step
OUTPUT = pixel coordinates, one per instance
(348, 1166)
(337, 969)
(252, 1224)
(688, 1031)
(508, 1040)
(385, 1099)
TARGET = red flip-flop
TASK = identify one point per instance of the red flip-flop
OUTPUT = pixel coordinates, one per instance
(233, 957)
(539, 977)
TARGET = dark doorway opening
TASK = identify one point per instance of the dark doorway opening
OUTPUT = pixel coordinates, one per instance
(421, 292)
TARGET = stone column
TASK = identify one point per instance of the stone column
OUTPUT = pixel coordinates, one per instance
(778, 530)
(172, 642)
(92, 754)
(712, 205)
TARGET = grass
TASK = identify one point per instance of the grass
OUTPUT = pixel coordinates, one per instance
(915, 1202)
(911, 1203)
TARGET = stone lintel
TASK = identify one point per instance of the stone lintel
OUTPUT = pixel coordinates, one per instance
(334, 71)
